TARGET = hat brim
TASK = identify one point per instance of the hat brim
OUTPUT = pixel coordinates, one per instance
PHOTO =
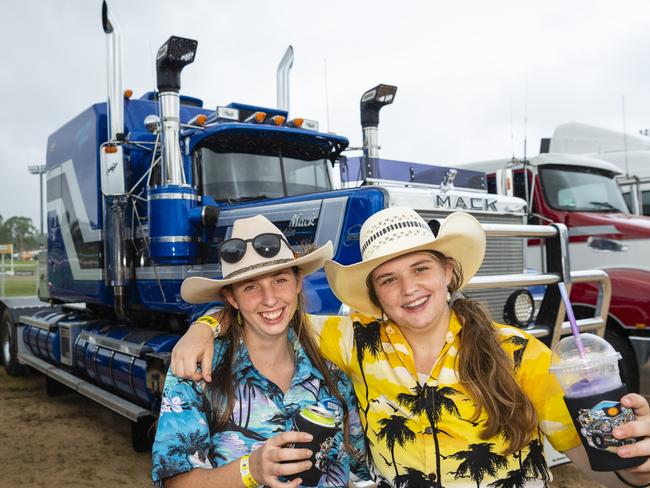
(460, 237)
(197, 289)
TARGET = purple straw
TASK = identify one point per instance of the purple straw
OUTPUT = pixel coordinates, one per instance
(572, 320)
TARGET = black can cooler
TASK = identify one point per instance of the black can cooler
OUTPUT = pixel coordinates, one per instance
(595, 417)
(319, 422)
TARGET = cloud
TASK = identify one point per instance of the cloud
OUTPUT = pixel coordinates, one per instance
(468, 73)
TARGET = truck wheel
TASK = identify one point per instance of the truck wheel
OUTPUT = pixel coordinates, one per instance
(142, 434)
(628, 365)
(8, 335)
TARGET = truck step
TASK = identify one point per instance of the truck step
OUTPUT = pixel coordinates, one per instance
(123, 407)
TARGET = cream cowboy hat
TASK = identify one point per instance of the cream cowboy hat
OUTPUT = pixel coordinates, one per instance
(397, 231)
(203, 290)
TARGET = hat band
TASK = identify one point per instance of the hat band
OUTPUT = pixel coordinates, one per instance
(388, 228)
(257, 266)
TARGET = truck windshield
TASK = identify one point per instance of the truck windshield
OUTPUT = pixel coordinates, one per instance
(239, 176)
(581, 189)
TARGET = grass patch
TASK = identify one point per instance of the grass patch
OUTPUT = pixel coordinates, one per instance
(23, 282)
(15, 286)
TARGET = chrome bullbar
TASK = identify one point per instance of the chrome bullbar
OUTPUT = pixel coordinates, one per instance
(549, 323)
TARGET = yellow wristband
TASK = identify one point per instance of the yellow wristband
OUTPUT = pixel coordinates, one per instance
(210, 322)
(245, 472)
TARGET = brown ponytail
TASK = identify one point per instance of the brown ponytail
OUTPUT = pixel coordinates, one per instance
(487, 372)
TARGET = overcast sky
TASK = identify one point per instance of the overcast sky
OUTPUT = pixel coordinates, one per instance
(468, 72)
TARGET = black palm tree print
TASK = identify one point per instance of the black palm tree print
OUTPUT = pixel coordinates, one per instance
(413, 479)
(431, 401)
(195, 442)
(366, 338)
(395, 431)
(515, 479)
(518, 354)
(535, 463)
(249, 398)
(477, 462)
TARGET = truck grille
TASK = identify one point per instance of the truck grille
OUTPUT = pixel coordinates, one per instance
(503, 255)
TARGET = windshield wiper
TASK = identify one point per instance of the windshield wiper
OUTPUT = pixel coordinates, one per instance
(243, 199)
(606, 205)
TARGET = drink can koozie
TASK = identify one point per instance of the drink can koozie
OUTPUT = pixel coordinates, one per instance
(595, 417)
(321, 423)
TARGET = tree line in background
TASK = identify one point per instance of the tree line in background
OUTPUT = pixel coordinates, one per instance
(21, 232)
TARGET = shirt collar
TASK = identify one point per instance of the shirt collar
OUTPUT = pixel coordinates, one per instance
(303, 368)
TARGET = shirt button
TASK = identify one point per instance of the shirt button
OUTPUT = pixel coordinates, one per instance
(449, 338)
(389, 329)
(428, 430)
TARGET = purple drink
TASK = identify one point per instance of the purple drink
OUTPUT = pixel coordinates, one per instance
(586, 367)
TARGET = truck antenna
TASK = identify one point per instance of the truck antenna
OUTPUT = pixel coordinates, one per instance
(512, 132)
(327, 98)
(627, 167)
(153, 73)
(526, 190)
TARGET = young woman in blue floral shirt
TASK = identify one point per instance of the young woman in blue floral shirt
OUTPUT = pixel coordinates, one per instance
(236, 431)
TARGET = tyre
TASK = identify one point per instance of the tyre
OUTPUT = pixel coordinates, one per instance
(598, 441)
(628, 365)
(142, 434)
(9, 346)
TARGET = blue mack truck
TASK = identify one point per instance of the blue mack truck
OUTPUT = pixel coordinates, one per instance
(140, 192)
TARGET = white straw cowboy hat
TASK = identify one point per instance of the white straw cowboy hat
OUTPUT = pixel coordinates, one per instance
(203, 290)
(397, 231)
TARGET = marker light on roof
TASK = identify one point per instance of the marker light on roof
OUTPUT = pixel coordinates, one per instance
(310, 124)
(227, 113)
(257, 117)
(276, 120)
(128, 93)
(303, 124)
(198, 120)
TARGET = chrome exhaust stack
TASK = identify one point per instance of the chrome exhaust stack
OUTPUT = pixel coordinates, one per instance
(114, 76)
(282, 80)
(117, 254)
(172, 57)
(172, 236)
(372, 102)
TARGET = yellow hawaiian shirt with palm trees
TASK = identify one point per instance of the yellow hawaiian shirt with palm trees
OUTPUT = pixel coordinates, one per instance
(421, 435)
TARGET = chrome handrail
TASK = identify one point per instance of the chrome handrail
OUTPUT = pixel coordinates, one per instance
(559, 271)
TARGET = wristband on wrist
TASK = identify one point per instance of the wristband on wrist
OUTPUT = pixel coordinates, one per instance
(245, 472)
(624, 481)
(210, 322)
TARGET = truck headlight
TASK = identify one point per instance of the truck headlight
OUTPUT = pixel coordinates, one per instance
(519, 308)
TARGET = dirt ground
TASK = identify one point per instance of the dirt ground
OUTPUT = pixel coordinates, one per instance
(69, 441)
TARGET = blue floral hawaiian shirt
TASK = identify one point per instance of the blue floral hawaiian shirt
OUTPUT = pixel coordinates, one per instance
(184, 440)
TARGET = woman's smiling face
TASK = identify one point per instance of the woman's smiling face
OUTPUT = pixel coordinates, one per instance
(267, 303)
(412, 290)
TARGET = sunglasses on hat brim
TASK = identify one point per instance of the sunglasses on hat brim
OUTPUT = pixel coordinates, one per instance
(266, 245)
